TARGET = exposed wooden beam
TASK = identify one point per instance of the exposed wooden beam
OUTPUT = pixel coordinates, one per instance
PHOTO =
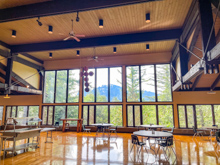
(32, 57)
(215, 82)
(4, 44)
(4, 53)
(195, 37)
(60, 7)
(25, 90)
(198, 68)
(28, 63)
(100, 41)
(9, 72)
(196, 82)
(184, 57)
(175, 51)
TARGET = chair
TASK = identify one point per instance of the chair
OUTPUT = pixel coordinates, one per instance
(166, 145)
(56, 125)
(212, 132)
(197, 133)
(85, 129)
(217, 135)
(171, 131)
(99, 129)
(113, 130)
(67, 125)
(135, 141)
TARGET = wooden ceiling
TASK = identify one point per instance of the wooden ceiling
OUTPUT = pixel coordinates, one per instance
(165, 15)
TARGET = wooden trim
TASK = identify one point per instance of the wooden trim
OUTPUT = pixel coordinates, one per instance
(28, 63)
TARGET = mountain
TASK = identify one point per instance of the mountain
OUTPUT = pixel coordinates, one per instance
(116, 91)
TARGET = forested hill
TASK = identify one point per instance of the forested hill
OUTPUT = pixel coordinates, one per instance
(116, 91)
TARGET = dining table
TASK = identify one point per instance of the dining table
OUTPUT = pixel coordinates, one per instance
(104, 126)
(152, 126)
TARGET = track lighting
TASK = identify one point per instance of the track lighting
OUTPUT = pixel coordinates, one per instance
(50, 55)
(77, 53)
(13, 34)
(50, 29)
(147, 18)
(100, 23)
(114, 50)
(77, 16)
(38, 21)
(147, 47)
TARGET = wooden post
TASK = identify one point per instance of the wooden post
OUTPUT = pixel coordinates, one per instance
(9, 73)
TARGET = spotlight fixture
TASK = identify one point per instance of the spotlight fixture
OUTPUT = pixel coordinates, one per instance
(100, 23)
(77, 53)
(7, 97)
(147, 18)
(147, 47)
(77, 16)
(50, 29)
(13, 34)
(38, 21)
(114, 50)
(50, 55)
(27, 86)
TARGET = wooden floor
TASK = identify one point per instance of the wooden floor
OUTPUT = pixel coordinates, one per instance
(71, 148)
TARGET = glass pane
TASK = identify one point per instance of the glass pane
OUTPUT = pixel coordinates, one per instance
(165, 115)
(61, 85)
(147, 83)
(217, 114)
(85, 115)
(73, 86)
(1, 112)
(149, 114)
(102, 85)
(33, 111)
(133, 89)
(204, 115)
(49, 85)
(91, 114)
(137, 115)
(44, 117)
(8, 115)
(13, 113)
(182, 118)
(116, 115)
(22, 112)
(130, 115)
(190, 116)
(90, 96)
(101, 114)
(59, 114)
(50, 115)
(116, 84)
(72, 112)
(163, 83)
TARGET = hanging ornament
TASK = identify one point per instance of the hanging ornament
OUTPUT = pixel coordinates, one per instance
(85, 74)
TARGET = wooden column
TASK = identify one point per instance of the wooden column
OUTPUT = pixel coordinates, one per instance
(9, 73)
(124, 94)
(206, 17)
(80, 94)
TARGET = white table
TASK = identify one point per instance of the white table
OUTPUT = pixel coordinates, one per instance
(48, 130)
(152, 126)
(104, 125)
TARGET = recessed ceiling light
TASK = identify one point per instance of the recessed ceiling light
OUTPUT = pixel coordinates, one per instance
(114, 50)
(77, 53)
(147, 47)
(50, 55)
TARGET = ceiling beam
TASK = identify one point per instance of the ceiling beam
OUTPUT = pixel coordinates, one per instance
(196, 82)
(4, 53)
(215, 82)
(99, 41)
(32, 57)
(27, 63)
(4, 44)
(57, 7)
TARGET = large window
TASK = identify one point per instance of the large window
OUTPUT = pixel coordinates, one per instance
(61, 86)
(148, 83)
(104, 86)
(147, 114)
(102, 114)
(22, 111)
(198, 115)
(53, 114)
(1, 112)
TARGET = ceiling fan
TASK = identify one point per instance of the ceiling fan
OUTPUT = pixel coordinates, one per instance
(95, 58)
(73, 35)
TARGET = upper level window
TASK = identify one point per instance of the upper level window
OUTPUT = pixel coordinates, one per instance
(104, 86)
(148, 83)
(61, 86)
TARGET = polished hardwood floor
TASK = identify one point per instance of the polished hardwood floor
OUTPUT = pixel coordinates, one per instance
(71, 148)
